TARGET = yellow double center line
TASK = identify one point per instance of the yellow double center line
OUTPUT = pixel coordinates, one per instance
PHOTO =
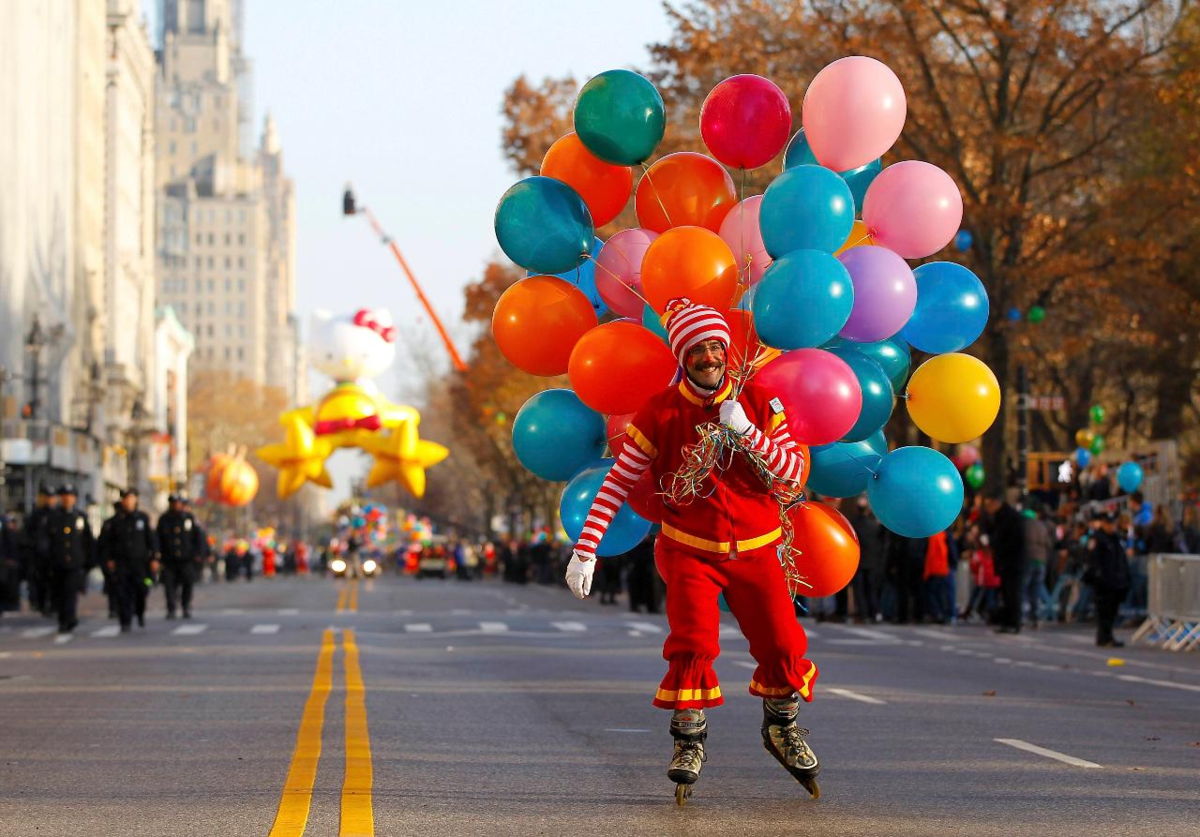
(348, 598)
(357, 818)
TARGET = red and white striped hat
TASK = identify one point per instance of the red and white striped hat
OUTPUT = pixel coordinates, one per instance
(689, 323)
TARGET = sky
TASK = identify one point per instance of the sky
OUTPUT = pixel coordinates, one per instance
(402, 99)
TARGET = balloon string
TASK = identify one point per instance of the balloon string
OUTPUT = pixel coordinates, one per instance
(623, 284)
(658, 197)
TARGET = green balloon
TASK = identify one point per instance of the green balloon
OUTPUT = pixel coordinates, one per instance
(1098, 445)
(1036, 314)
(620, 117)
(1097, 413)
(975, 475)
(892, 354)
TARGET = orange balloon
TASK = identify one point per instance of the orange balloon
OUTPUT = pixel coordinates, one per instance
(689, 262)
(538, 321)
(616, 367)
(827, 546)
(604, 188)
(684, 189)
(859, 236)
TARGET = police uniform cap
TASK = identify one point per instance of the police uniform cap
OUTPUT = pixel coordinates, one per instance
(66, 488)
(46, 490)
(127, 491)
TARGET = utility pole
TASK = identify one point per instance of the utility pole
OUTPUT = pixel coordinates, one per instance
(1023, 398)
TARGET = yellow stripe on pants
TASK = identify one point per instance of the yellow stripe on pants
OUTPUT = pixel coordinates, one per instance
(292, 816)
(357, 817)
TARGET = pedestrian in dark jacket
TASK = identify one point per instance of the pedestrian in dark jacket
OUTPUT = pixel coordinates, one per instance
(1006, 534)
(868, 579)
(72, 553)
(35, 550)
(183, 547)
(1108, 573)
(129, 549)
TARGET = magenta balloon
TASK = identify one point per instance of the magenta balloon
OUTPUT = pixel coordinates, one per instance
(741, 232)
(885, 293)
(619, 268)
(854, 111)
(967, 456)
(821, 395)
(745, 121)
(913, 208)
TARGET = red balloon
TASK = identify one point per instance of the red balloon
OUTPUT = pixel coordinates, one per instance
(646, 500)
(616, 367)
(820, 393)
(745, 121)
(684, 189)
(826, 548)
(614, 430)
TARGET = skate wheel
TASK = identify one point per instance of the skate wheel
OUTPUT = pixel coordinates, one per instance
(812, 787)
(682, 794)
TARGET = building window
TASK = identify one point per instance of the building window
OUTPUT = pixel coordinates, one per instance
(228, 330)
(228, 285)
(199, 285)
(228, 262)
(241, 284)
(193, 148)
(241, 328)
(212, 309)
(228, 308)
(241, 261)
(199, 238)
(228, 220)
(210, 286)
(241, 309)
(241, 354)
(198, 262)
(242, 216)
(171, 147)
(210, 328)
(227, 353)
(241, 238)
(211, 238)
(210, 262)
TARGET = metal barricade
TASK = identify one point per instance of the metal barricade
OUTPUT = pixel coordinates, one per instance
(1173, 619)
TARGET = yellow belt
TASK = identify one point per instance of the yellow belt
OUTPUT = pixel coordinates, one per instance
(723, 547)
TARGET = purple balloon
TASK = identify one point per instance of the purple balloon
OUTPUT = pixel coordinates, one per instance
(885, 293)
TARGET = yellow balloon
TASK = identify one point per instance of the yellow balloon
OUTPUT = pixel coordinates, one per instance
(953, 397)
(859, 237)
(1085, 438)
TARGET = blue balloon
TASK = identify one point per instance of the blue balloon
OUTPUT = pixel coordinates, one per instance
(963, 240)
(1083, 457)
(651, 321)
(584, 278)
(555, 435)
(626, 530)
(843, 469)
(952, 309)
(798, 153)
(916, 492)
(803, 300)
(878, 398)
(806, 208)
(893, 355)
(1129, 477)
(1014, 315)
(544, 226)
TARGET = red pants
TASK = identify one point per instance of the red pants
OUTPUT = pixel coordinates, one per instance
(756, 592)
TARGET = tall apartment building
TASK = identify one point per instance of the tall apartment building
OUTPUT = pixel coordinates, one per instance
(226, 219)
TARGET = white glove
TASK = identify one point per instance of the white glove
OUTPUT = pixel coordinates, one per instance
(579, 573)
(734, 417)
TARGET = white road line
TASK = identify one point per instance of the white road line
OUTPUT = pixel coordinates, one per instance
(874, 642)
(745, 664)
(620, 729)
(846, 693)
(289, 611)
(418, 628)
(34, 633)
(189, 630)
(645, 627)
(493, 627)
(1042, 751)
(4, 655)
(1133, 678)
(576, 627)
(460, 612)
(1001, 660)
(867, 633)
(935, 634)
(107, 631)
(265, 629)
(63, 639)
(232, 611)
(636, 633)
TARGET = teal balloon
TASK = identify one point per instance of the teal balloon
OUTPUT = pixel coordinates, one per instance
(878, 398)
(952, 309)
(584, 277)
(916, 492)
(722, 604)
(843, 469)
(798, 153)
(626, 530)
(620, 117)
(803, 300)
(806, 208)
(544, 226)
(651, 321)
(1129, 477)
(892, 354)
(555, 435)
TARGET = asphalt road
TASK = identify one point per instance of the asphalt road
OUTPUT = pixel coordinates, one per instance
(450, 708)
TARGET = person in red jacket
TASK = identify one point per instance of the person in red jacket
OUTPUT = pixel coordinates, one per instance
(723, 537)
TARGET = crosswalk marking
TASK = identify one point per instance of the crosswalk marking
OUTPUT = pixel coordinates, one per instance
(265, 629)
(289, 611)
(34, 633)
(107, 631)
(645, 627)
(418, 628)
(493, 627)
(63, 639)
(577, 627)
(189, 630)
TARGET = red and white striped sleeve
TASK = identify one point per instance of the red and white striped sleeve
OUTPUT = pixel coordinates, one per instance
(784, 458)
(622, 477)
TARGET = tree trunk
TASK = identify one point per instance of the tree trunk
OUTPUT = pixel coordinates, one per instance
(995, 441)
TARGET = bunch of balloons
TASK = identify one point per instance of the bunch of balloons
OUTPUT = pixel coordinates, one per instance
(813, 275)
(1089, 439)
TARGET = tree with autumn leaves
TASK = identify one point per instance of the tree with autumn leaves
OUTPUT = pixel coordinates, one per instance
(1070, 128)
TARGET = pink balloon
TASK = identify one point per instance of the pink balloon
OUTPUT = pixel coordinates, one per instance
(740, 231)
(854, 111)
(913, 208)
(885, 293)
(619, 268)
(820, 394)
(967, 456)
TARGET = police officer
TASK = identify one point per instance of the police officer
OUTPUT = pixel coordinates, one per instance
(182, 543)
(71, 554)
(1108, 573)
(129, 549)
(35, 549)
(10, 564)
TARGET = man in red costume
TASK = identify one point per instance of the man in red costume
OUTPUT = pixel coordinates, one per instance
(725, 539)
